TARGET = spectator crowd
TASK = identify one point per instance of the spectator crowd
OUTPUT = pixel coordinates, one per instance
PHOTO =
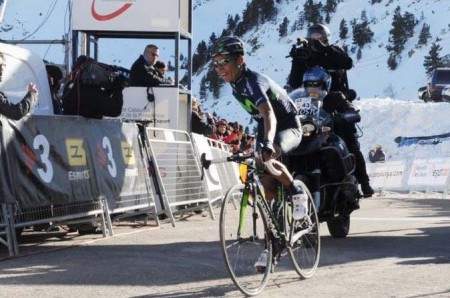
(231, 133)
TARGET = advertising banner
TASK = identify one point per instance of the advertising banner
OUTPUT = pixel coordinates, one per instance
(388, 175)
(130, 15)
(118, 164)
(212, 174)
(161, 113)
(53, 160)
(429, 172)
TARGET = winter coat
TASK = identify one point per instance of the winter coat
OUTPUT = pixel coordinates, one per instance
(377, 155)
(333, 59)
(17, 111)
(143, 74)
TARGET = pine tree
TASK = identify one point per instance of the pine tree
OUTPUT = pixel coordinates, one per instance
(327, 18)
(212, 41)
(312, 12)
(424, 35)
(362, 34)
(330, 6)
(268, 9)
(433, 60)
(343, 30)
(283, 28)
(215, 82)
(203, 88)
(359, 54)
(392, 62)
(199, 57)
(402, 29)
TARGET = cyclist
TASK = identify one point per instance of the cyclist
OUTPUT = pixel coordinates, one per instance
(279, 129)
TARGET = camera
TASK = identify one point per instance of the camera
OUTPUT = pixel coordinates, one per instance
(301, 49)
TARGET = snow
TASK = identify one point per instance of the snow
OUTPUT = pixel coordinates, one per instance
(389, 104)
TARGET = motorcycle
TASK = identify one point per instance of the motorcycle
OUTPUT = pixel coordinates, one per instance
(324, 164)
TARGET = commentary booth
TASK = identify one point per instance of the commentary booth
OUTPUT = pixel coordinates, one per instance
(151, 21)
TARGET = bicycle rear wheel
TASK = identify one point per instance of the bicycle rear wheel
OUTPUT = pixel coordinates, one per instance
(303, 236)
(243, 239)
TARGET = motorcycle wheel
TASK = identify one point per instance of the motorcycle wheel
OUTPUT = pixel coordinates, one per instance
(339, 227)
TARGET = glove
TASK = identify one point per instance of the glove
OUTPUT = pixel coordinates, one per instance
(267, 148)
(317, 46)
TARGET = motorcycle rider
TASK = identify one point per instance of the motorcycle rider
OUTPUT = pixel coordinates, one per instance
(279, 129)
(316, 83)
(336, 62)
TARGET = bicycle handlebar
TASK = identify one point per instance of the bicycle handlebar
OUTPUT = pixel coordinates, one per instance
(239, 157)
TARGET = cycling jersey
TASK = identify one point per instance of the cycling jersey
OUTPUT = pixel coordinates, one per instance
(253, 88)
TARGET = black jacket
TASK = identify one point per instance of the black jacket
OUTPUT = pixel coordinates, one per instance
(199, 126)
(333, 59)
(377, 156)
(143, 74)
(17, 111)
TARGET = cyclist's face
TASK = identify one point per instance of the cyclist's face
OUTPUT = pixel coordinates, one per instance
(226, 68)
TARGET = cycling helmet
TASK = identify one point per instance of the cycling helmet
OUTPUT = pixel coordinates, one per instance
(317, 77)
(229, 46)
(321, 29)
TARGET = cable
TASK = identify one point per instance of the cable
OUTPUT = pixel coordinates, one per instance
(49, 12)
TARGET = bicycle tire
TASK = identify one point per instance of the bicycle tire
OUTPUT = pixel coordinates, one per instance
(305, 252)
(240, 252)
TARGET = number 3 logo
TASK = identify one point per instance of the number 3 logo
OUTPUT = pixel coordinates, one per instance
(112, 166)
(46, 172)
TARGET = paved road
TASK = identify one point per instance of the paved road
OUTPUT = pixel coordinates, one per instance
(398, 247)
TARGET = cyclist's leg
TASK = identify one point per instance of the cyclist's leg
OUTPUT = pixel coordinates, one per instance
(287, 140)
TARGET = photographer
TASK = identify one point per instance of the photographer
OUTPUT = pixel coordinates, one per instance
(315, 50)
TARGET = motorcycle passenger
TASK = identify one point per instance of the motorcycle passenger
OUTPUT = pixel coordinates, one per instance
(279, 129)
(336, 62)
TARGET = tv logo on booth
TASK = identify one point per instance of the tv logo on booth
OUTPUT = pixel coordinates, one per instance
(106, 17)
(128, 153)
(76, 152)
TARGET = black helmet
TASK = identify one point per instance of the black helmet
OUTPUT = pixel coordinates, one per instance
(319, 28)
(229, 45)
(317, 77)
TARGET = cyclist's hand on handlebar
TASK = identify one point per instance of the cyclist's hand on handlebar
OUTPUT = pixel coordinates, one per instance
(267, 150)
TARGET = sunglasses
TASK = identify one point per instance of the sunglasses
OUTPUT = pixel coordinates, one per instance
(312, 84)
(221, 62)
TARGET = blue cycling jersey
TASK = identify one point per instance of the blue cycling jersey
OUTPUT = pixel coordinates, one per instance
(253, 89)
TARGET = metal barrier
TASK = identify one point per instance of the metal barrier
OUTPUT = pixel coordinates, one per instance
(177, 171)
(228, 171)
(219, 177)
(140, 199)
(17, 219)
(82, 172)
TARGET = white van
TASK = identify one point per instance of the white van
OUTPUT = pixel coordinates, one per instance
(23, 67)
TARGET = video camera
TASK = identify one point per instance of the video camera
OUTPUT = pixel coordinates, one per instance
(301, 49)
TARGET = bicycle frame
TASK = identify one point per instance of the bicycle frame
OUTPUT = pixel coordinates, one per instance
(253, 188)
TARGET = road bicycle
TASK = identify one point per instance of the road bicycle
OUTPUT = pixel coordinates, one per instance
(250, 225)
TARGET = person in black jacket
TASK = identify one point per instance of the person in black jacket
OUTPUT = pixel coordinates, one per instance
(143, 72)
(313, 51)
(17, 111)
(198, 125)
(377, 154)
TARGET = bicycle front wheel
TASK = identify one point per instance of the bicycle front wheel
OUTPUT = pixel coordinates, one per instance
(303, 237)
(244, 241)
